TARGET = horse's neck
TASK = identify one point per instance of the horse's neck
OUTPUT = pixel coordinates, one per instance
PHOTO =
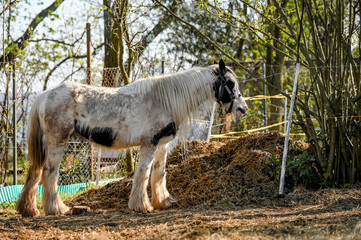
(178, 94)
(198, 94)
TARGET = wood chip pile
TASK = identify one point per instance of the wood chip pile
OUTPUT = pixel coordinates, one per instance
(210, 174)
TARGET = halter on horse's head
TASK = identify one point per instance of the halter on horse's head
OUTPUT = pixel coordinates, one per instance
(226, 91)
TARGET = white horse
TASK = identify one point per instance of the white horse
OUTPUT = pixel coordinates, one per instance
(146, 113)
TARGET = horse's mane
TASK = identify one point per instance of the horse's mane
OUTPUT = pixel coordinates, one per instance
(180, 93)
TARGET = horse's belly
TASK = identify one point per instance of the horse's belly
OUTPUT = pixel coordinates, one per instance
(125, 144)
(125, 138)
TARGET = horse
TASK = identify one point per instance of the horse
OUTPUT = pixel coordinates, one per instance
(147, 113)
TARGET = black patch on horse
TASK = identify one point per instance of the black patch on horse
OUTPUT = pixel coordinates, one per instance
(169, 130)
(219, 86)
(101, 135)
(223, 96)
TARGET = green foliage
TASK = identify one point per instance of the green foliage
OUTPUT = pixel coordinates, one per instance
(21, 164)
(68, 196)
(300, 169)
(7, 205)
(302, 166)
(77, 172)
(38, 19)
(274, 162)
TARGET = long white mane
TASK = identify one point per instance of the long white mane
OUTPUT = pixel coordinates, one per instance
(181, 93)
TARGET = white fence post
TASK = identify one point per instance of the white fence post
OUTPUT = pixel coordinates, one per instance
(98, 166)
(285, 149)
(211, 122)
(285, 116)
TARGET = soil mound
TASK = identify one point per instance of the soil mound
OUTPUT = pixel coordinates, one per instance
(238, 172)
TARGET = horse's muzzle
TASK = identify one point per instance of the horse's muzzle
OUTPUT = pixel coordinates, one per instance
(241, 111)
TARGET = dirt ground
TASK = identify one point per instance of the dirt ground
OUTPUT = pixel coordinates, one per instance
(224, 191)
(336, 218)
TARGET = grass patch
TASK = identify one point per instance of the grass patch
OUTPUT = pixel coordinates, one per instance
(9, 179)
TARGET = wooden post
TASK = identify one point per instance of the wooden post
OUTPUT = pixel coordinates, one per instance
(89, 82)
(15, 152)
(88, 54)
(226, 119)
(285, 149)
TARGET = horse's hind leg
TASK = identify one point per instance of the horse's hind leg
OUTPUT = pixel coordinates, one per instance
(161, 198)
(26, 205)
(52, 203)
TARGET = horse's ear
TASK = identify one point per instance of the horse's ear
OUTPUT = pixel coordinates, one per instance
(222, 66)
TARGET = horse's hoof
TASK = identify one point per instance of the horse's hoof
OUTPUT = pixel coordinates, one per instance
(143, 209)
(166, 203)
(30, 213)
(59, 210)
(147, 209)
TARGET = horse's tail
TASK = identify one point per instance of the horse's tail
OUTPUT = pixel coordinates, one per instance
(26, 204)
(36, 148)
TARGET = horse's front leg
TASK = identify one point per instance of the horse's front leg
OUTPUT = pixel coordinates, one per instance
(139, 200)
(161, 198)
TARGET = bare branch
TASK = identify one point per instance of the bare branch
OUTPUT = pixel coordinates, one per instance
(21, 42)
(59, 41)
(162, 24)
(65, 60)
(9, 5)
(256, 32)
(230, 57)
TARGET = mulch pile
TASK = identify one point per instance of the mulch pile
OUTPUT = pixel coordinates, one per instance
(211, 174)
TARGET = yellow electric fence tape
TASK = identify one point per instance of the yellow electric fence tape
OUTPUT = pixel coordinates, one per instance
(260, 97)
(229, 135)
(257, 97)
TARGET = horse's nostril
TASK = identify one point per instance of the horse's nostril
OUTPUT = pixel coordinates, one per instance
(242, 110)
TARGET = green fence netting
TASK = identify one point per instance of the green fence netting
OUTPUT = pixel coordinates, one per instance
(11, 193)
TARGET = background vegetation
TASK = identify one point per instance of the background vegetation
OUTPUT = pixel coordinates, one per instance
(47, 41)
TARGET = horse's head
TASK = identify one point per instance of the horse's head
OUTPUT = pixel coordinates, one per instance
(226, 91)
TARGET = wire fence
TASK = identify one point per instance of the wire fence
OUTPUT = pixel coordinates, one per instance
(83, 161)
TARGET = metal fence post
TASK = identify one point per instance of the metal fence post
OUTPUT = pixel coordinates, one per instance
(285, 149)
(15, 156)
(98, 167)
(211, 122)
(285, 116)
(91, 161)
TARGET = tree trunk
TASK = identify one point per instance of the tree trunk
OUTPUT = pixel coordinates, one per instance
(226, 120)
(113, 43)
(275, 64)
(114, 48)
